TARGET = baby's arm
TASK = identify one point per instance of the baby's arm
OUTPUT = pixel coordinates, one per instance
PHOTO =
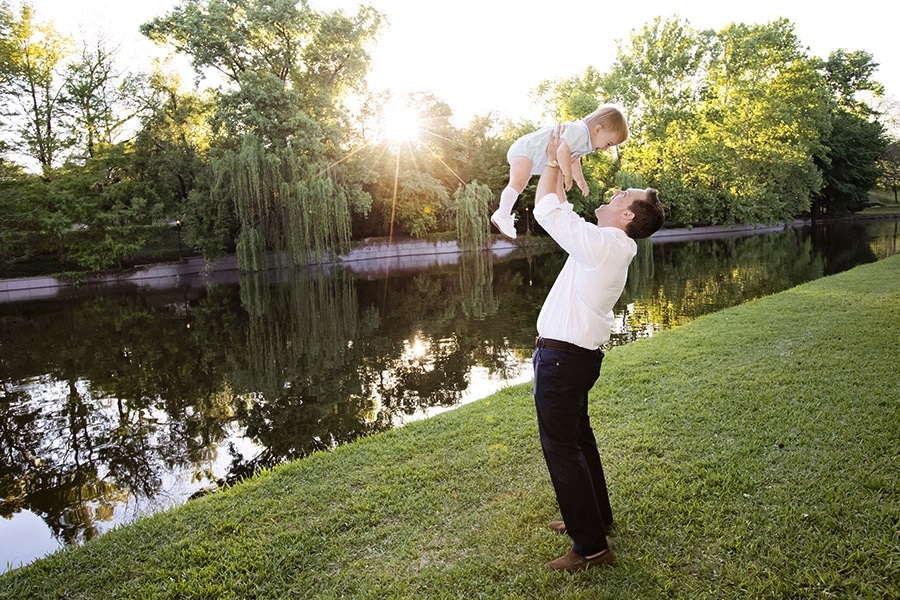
(564, 158)
(578, 176)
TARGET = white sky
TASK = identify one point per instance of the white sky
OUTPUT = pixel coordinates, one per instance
(487, 55)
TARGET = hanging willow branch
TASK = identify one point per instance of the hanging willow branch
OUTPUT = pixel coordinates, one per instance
(472, 226)
(283, 204)
(251, 250)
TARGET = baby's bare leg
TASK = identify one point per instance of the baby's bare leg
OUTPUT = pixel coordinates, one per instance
(519, 174)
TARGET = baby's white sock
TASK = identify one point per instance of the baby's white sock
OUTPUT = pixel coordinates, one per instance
(508, 199)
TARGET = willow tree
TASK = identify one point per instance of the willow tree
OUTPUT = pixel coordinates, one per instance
(472, 209)
(280, 205)
(277, 167)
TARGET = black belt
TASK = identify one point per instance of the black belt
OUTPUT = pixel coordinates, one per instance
(540, 342)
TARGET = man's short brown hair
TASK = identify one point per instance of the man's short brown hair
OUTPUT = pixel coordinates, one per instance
(648, 215)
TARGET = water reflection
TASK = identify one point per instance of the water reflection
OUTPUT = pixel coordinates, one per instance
(476, 284)
(120, 403)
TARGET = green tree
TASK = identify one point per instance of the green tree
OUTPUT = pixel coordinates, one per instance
(421, 201)
(98, 100)
(481, 153)
(857, 139)
(428, 161)
(24, 224)
(117, 206)
(441, 141)
(726, 124)
(170, 153)
(890, 167)
(32, 86)
(659, 79)
(660, 76)
(852, 168)
(572, 98)
(849, 74)
(766, 113)
(286, 69)
(65, 113)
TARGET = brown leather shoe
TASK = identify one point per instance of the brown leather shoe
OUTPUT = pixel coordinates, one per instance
(572, 562)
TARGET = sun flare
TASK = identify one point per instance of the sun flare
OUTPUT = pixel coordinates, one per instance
(400, 124)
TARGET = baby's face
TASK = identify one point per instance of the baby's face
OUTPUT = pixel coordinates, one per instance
(602, 139)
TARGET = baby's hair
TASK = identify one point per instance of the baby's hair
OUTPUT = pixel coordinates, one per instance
(612, 120)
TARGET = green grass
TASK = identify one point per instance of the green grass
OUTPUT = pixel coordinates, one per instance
(883, 203)
(751, 453)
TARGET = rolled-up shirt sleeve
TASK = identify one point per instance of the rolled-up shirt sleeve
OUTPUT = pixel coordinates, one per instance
(574, 235)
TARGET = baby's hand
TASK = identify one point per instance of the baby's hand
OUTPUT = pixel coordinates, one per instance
(583, 186)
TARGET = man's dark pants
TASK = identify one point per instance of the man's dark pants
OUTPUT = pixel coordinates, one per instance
(562, 380)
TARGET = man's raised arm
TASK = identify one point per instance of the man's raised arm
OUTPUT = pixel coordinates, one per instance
(549, 181)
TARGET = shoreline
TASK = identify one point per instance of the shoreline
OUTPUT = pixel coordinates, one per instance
(368, 257)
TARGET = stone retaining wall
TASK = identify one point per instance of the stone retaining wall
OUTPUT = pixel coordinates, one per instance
(367, 258)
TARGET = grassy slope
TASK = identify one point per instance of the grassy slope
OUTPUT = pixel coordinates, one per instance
(751, 453)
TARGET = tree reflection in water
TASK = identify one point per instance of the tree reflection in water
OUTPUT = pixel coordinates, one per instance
(117, 403)
(476, 284)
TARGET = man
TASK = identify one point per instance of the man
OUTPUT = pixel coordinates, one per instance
(574, 322)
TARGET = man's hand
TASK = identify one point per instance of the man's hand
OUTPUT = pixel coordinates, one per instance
(553, 145)
(550, 176)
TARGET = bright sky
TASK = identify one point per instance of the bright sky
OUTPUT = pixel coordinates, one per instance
(482, 55)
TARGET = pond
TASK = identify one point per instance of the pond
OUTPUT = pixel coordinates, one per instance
(120, 401)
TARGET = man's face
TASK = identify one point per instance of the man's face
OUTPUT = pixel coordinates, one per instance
(610, 214)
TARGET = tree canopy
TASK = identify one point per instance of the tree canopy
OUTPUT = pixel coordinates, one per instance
(278, 148)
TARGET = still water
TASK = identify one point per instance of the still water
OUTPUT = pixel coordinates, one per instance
(118, 402)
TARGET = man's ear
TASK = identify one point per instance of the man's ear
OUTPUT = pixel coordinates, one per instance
(627, 216)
